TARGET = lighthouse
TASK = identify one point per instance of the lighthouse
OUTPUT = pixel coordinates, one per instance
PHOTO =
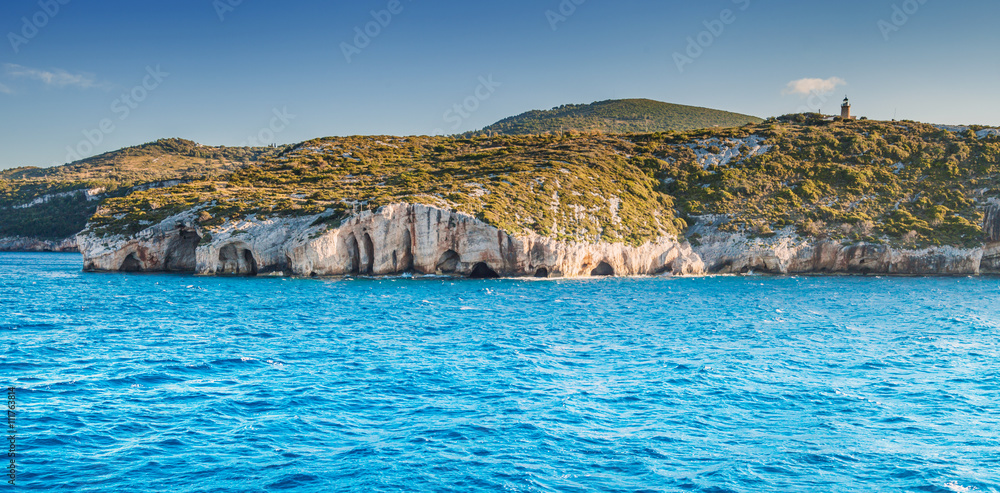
(845, 109)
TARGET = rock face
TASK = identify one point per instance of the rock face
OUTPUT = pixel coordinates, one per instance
(35, 245)
(991, 259)
(736, 255)
(169, 246)
(393, 240)
(422, 239)
(991, 222)
(786, 253)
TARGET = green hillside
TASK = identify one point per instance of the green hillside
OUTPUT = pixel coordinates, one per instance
(903, 183)
(618, 116)
(65, 206)
(899, 182)
(560, 186)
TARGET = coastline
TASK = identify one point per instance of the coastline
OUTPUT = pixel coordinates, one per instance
(21, 244)
(432, 241)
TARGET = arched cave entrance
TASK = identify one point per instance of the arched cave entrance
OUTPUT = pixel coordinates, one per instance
(665, 269)
(180, 256)
(483, 271)
(353, 255)
(448, 263)
(369, 255)
(237, 261)
(131, 264)
(404, 262)
(603, 269)
(249, 263)
(542, 273)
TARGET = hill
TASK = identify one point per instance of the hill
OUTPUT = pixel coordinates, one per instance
(882, 182)
(54, 203)
(895, 183)
(618, 116)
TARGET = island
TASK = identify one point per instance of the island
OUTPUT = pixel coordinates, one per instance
(798, 194)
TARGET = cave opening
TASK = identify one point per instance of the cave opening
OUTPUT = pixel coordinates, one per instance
(131, 264)
(237, 261)
(448, 263)
(405, 263)
(483, 271)
(181, 254)
(353, 255)
(603, 269)
(542, 273)
(369, 255)
(250, 263)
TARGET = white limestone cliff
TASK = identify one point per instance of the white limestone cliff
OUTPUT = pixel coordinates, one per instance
(21, 244)
(423, 239)
(787, 253)
(393, 240)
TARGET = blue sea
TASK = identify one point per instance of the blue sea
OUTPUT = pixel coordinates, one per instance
(156, 382)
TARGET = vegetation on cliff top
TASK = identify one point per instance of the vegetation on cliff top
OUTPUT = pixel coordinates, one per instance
(618, 116)
(570, 187)
(64, 207)
(913, 184)
(907, 183)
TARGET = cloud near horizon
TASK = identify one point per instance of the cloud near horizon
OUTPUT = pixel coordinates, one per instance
(805, 87)
(54, 78)
(5, 90)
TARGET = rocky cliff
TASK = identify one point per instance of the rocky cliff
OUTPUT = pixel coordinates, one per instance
(421, 239)
(726, 253)
(787, 253)
(991, 223)
(19, 244)
(396, 239)
(791, 195)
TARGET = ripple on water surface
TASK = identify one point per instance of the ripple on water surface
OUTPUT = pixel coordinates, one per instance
(171, 382)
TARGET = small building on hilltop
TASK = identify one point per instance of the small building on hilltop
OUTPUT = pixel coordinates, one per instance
(845, 110)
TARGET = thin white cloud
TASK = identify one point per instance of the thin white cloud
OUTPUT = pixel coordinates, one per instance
(54, 78)
(806, 87)
(5, 90)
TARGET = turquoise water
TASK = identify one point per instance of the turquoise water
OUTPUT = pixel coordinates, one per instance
(129, 382)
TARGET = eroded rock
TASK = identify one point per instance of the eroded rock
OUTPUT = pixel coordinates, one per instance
(393, 240)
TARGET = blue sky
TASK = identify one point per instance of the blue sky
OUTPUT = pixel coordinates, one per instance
(81, 79)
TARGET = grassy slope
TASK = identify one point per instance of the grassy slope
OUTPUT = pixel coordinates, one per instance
(115, 172)
(840, 180)
(903, 182)
(567, 187)
(910, 183)
(619, 116)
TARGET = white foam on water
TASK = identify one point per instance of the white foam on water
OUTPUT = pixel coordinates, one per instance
(957, 488)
